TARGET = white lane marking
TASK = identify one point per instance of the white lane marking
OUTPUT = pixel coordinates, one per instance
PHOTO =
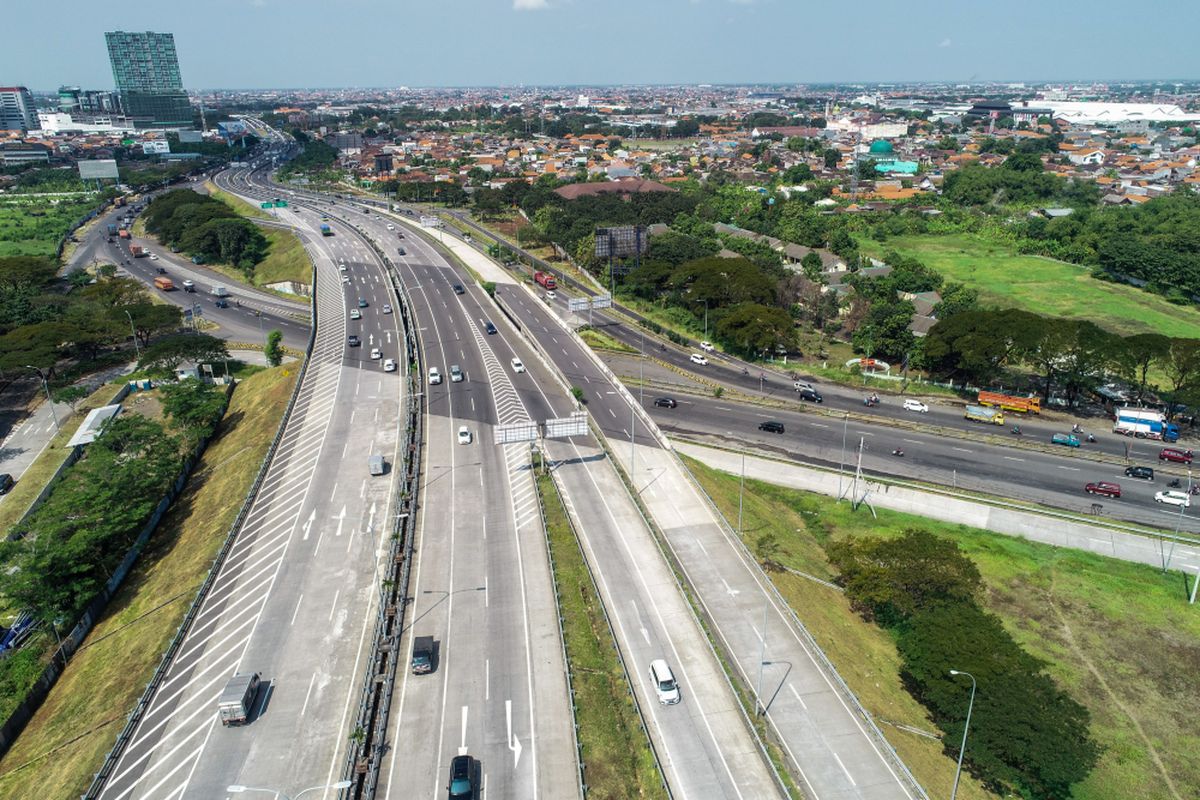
(333, 606)
(1070, 469)
(307, 694)
(914, 441)
(1013, 458)
(487, 679)
(796, 694)
(703, 549)
(849, 777)
(462, 747)
(308, 524)
(962, 450)
(818, 425)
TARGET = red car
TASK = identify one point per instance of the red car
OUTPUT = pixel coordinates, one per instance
(1176, 455)
(1104, 487)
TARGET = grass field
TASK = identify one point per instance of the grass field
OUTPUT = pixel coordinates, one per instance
(1119, 637)
(32, 226)
(68, 738)
(618, 762)
(1005, 278)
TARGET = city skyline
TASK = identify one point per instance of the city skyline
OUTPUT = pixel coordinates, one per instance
(578, 43)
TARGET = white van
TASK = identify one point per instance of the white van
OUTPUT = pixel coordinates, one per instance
(665, 685)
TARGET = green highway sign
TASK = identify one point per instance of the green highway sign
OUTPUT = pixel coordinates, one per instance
(276, 204)
(267, 205)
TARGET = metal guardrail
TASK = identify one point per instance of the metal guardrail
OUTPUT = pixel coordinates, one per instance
(611, 632)
(848, 696)
(235, 528)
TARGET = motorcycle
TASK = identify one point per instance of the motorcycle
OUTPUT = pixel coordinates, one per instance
(898, 452)
(1174, 483)
(873, 400)
(1091, 437)
(1076, 429)
(1016, 431)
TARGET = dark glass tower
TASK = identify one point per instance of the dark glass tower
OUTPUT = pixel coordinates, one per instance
(146, 70)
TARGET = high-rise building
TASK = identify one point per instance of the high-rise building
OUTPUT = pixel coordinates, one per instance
(146, 70)
(17, 111)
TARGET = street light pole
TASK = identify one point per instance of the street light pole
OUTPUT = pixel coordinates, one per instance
(741, 493)
(762, 655)
(842, 463)
(966, 726)
(133, 331)
(46, 387)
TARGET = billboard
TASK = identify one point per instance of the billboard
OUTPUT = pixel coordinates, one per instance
(627, 240)
(97, 169)
(190, 136)
(574, 425)
(156, 147)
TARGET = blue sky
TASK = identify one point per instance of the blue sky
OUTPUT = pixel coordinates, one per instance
(305, 43)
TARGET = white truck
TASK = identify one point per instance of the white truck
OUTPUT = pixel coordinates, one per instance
(1145, 423)
(220, 291)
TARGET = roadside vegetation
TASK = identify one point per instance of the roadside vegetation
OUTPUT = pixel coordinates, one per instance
(1116, 638)
(618, 761)
(68, 738)
(33, 225)
(285, 259)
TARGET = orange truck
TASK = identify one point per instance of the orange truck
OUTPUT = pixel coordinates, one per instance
(1010, 402)
(124, 234)
(164, 283)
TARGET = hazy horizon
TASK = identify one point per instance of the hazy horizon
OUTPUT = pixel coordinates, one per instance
(254, 45)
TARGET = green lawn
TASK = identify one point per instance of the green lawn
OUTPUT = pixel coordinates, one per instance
(32, 225)
(66, 741)
(1042, 285)
(286, 259)
(1119, 637)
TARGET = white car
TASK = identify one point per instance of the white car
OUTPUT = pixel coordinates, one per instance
(435, 377)
(345, 279)
(376, 353)
(153, 257)
(464, 435)
(915, 405)
(1174, 498)
(389, 365)
(355, 314)
(342, 267)
(707, 347)
(699, 359)
(391, 227)
(517, 366)
(550, 296)
(387, 309)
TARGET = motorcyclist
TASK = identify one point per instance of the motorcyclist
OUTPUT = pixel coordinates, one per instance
(1016, 429)
(898, 452)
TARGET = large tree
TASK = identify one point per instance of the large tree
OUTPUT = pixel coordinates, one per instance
(164, 355)
(753, 329)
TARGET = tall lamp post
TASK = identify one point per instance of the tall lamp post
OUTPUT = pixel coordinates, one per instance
(132, 330)
(46, 387)
(966, 725)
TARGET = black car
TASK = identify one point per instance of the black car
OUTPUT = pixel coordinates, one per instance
(221, 302)
(458, 288)
(1145, 473)
(401, 251)
(771, 426)
(489, 327)
(354, 341)
(665, 402)
(462, 778)
(811, 395)
(6, 482)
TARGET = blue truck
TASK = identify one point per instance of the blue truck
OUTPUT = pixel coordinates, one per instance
(326, 230)
(1145, 423)
(112, 229)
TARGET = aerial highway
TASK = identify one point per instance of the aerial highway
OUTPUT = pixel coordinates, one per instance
(296, 596)
(705, 746)
(849, 756)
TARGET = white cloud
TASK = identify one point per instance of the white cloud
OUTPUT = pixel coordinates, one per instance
(530, 5)
(944, 43)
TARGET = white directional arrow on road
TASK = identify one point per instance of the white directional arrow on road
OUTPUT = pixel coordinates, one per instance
(308, 523)
(514, 743)
(371, 519)
(341, 518)
(732, 592)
